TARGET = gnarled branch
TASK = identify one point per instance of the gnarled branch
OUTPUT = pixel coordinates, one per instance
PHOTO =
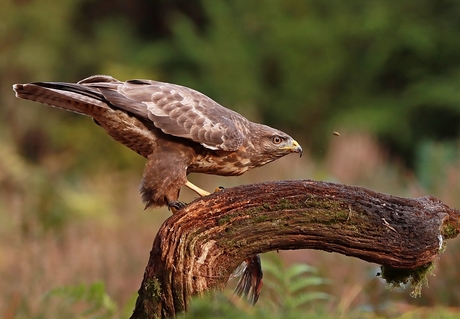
(197, 249)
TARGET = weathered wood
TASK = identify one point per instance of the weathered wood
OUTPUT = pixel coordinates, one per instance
(197, 249)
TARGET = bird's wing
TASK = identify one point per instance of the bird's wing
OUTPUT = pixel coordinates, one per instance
(177, 111)
(174, 109)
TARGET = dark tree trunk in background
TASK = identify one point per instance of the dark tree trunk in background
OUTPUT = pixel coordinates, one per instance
(198, 248)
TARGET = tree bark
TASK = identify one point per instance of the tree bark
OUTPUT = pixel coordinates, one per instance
(198, 248)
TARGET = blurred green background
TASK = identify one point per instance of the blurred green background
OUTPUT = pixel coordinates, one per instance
(385, 74)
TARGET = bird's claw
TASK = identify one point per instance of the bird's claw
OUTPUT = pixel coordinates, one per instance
(176, 206)
(218, 189)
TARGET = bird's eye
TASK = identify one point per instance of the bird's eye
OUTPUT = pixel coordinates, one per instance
(277, 139)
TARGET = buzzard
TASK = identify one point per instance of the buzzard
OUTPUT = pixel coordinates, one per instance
(178, 130)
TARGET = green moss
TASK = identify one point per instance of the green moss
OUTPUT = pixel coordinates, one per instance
(224, 220)
(266, 206)
(260, 218)
(417, 277)
(449, 230)
(284, 204)
(334, 209)
(153, 288)
(314, 210)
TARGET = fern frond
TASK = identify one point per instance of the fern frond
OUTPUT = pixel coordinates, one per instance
(302, 283)
(303, 298)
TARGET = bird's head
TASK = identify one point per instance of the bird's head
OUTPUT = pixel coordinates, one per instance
(273, 144)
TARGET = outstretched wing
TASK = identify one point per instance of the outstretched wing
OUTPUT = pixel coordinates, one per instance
(176, 110)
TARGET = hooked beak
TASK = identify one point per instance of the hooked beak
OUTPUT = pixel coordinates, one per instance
(294, 147)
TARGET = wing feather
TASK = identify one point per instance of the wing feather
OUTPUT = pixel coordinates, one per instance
(174, 109)
(186, 113)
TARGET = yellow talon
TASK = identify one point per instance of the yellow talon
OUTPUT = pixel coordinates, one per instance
(219, 188)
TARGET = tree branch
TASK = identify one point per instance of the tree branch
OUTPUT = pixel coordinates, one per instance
(198, 248)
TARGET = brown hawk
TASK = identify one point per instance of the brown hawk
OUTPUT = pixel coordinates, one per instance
(178, 130)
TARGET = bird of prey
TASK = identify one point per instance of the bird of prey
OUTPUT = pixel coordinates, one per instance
(177, 129)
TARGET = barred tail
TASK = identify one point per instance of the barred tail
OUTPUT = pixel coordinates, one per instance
(68, 96)
(250, 282)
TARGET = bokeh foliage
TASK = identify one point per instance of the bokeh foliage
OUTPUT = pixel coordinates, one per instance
(386, 69)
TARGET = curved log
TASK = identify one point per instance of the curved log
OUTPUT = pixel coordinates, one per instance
(198, 248)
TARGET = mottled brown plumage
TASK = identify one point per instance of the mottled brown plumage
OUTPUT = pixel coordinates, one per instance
(178, 130)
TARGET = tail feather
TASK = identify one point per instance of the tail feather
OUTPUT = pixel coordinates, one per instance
(250, 282)
(58, 95)
(120, 125)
